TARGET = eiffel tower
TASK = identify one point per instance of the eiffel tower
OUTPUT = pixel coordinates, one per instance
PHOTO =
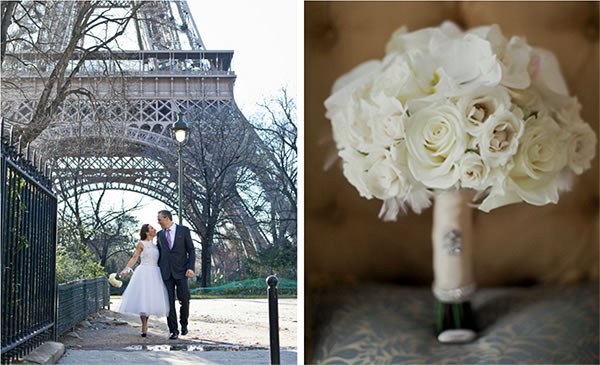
(116, 131)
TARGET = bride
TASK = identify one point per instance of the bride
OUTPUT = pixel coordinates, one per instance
(146, 293)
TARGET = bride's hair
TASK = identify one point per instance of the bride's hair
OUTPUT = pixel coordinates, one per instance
(144, 231)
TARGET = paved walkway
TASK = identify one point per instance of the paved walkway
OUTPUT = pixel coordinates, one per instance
(222, 331)
(253, 357)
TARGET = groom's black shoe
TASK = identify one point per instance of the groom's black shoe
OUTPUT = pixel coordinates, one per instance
(173, 336)
(184, 331)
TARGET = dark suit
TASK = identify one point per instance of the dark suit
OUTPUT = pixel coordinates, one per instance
(173, 264)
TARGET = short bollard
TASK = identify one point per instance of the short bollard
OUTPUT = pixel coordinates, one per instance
(273, 319)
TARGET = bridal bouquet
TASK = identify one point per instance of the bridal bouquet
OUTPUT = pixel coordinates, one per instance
(112, 279)
(447, 110)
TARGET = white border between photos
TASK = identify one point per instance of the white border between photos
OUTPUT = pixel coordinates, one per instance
(300, 179)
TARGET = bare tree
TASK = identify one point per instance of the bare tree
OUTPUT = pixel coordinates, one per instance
(278, 129)
(84, 218)
(236, 182)
(217, 165)
(264, 191)
(107, 232)
(30, 41)
(8, 9)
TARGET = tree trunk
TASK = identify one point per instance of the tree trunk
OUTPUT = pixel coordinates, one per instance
(8, 7)
(206, 264)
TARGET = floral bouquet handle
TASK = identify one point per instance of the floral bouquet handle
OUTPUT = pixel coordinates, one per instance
(453, 284)
(466, 119)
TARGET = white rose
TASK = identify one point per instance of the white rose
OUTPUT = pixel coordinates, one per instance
(499, 137)
(399, 154)
(435, 140)
(375, 174)
(581, 140)
(374, 114)
(387, 121)
(477, 106)
(538, 162)
(535, 170)
(530, 102)
(474, 172)
(344, 107)
(569, 112)
(581, 147)
(351, 126)
(384, 178)
(369, 122)
(363, 108)
(355, 168)
(413, 194)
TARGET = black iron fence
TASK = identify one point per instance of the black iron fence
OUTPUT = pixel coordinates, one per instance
(79, 299)
(28, 247)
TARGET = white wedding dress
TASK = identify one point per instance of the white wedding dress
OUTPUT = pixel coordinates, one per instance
(146, 293)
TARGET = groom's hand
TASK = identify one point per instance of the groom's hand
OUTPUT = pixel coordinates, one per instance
(189, 273)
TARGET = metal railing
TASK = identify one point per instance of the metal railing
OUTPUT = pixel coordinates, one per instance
(151, 63)
(78, 299)
(28, 247)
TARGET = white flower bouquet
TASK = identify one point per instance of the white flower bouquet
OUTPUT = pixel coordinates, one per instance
(112, 280)
(447, 109)
(470, 119)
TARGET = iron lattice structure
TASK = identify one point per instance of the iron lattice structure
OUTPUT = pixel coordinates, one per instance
(117, 134)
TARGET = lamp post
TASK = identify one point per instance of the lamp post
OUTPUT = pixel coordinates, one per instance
(180, 132)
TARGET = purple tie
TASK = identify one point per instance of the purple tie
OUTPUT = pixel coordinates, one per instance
(169, 240)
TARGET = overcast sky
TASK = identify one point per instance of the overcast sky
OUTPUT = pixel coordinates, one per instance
(263, 36)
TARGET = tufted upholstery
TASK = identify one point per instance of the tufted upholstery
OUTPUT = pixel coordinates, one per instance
(344, 240)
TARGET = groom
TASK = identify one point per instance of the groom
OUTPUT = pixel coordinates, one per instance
(176, 262)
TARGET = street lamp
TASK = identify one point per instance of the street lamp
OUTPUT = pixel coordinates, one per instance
(180, 132)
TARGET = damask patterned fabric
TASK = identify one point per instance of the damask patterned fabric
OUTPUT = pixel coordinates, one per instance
(379, 324)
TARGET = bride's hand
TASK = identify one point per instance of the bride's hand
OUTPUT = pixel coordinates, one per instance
(125, 272)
